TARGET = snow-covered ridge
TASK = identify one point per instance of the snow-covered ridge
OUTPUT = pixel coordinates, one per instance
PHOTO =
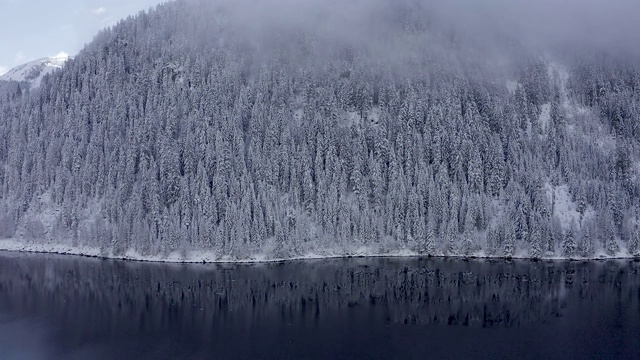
(33, 71)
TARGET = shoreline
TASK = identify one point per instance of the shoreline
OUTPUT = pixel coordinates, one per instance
(204, 257)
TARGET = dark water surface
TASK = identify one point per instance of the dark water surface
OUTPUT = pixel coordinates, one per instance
(56, 307)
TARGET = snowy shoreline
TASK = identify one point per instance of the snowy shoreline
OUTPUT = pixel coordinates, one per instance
(201, 256)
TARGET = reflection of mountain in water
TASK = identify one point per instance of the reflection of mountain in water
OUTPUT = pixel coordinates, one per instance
(134, 297)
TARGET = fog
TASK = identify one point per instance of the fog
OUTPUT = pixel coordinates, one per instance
(605, 25)
(540, 25)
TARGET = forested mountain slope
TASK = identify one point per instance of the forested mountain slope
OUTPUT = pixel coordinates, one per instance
(353, 129)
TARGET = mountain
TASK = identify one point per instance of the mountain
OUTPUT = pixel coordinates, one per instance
(33, 71)
(214, 130)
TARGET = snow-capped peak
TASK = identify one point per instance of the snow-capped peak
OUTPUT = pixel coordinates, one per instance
(33, 71)
(60, 58)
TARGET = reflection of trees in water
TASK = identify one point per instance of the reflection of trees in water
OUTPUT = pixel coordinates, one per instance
(131, 297)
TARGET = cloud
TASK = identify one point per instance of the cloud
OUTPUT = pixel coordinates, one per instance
(98, 11)
(3, 70)
(19, 58)
(541, 25)
(61, 55)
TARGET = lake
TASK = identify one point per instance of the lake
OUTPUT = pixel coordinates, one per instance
(64, 307)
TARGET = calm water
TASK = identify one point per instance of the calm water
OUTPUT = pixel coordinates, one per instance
(54, 307)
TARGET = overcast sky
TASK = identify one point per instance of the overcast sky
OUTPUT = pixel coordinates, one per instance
(32, 29)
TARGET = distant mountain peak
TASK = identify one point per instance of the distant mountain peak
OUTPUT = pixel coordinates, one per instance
(61, 55)
(33, 71)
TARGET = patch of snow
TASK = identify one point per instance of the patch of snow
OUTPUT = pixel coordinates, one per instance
(564, 207)
(297, 116)
(606, 142)
(353, 118)
(40, 219)
(13, 245)
(298, 109)
(496, 207)
(621, 254)
(374, 115)
(635, 171)
(204, 256)
(559, 74)
(574, 110)
(545, 116)
(512, 86)
(46, 247)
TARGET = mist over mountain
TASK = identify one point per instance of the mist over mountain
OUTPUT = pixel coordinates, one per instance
(275, 129)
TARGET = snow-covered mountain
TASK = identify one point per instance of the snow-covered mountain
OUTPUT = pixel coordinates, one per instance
(33, 71)
(202, 132)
